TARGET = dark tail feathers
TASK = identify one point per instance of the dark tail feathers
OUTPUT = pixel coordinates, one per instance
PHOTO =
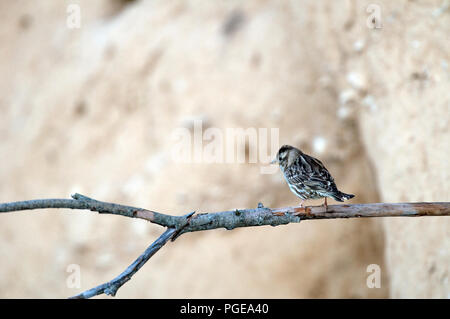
(340, 196)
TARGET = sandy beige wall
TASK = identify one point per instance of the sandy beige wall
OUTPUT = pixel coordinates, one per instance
(407, 138)
(93, 110)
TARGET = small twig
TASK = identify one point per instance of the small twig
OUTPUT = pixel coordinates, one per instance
(178, 225)
(111, 287)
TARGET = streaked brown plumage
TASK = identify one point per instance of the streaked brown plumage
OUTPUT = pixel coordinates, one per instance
(307, 177)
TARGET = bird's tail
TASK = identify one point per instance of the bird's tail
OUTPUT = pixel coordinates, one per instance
(340, 196)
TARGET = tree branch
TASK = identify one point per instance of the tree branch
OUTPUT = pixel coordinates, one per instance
(281, 216)
(111, 287)
(178, 225)
(83, 202)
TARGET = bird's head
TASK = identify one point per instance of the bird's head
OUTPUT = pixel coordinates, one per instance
(286, 155)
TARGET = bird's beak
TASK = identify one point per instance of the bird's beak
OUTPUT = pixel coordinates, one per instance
(274, 161)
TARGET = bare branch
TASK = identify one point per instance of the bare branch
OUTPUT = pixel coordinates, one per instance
(280, 216)
(111, 287)
(371, 210)
(178, 225)
(83, 202)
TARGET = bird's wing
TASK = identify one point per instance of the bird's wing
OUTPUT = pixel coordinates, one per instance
(295, 175)
(315, 175)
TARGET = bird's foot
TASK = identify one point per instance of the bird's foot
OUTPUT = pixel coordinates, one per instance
(325, 205)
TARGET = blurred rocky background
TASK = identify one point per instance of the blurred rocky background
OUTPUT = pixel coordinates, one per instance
(363, 86)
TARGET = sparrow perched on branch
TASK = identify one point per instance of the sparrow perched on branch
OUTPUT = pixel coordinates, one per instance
(307, 177)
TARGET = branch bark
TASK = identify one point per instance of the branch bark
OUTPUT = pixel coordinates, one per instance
(178, 225)
(83, 202)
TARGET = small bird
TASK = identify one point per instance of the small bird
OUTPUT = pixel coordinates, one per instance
(307, 177)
